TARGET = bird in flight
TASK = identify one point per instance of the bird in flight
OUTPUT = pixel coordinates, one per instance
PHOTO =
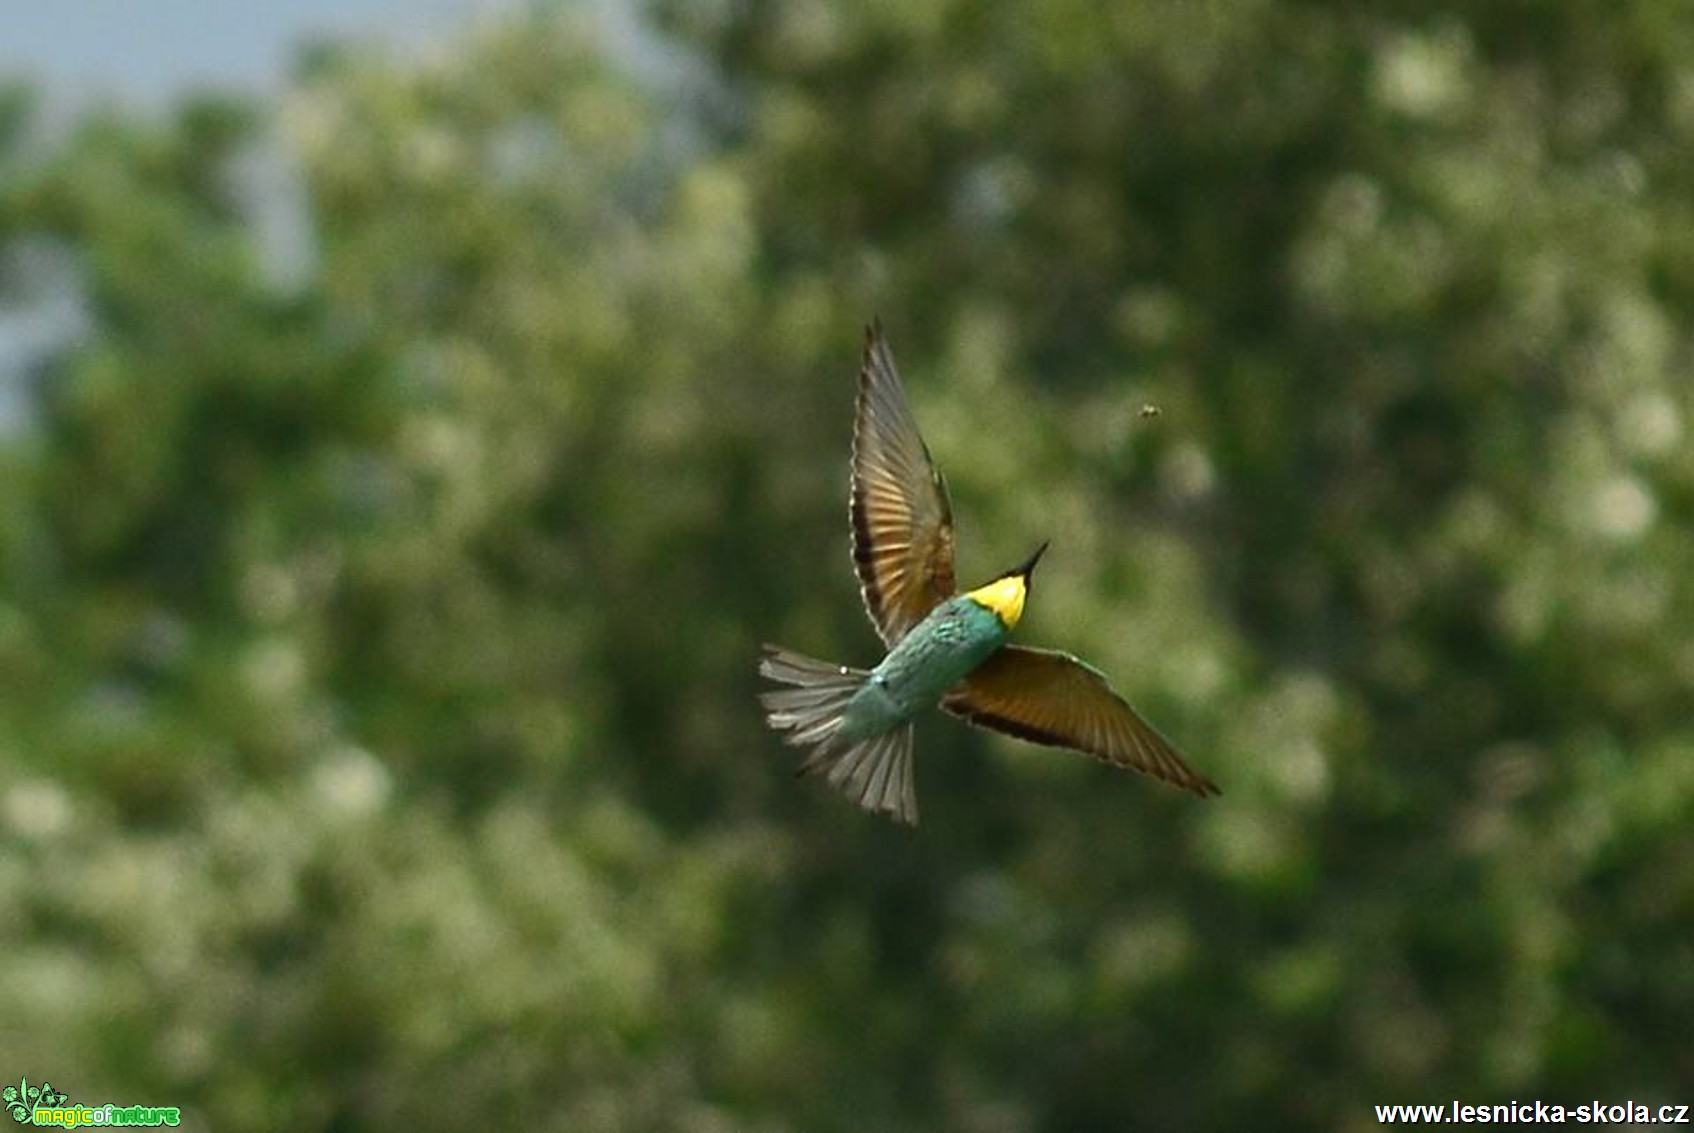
(943, 647)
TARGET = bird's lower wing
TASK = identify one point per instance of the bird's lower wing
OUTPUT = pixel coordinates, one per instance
(1052, 698)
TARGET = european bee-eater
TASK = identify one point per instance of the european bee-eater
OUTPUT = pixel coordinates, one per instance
(942, 647)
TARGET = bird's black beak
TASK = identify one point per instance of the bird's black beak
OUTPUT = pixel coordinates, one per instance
(1028, 568)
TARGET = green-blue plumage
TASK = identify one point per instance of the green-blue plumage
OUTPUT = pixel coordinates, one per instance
(956, 637)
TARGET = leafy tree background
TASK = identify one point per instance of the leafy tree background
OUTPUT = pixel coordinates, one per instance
(382, 598)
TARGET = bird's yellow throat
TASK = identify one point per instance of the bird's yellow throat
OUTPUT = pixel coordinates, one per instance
(1004, 596)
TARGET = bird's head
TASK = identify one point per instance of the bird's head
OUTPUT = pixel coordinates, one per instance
(1006, 594)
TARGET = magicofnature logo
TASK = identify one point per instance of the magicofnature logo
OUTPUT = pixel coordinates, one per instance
(43, 1105)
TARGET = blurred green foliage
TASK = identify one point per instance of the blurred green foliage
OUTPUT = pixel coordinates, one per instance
(378, 634)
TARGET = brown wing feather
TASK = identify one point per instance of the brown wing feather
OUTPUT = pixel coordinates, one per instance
(1052, 698)
(902, 520)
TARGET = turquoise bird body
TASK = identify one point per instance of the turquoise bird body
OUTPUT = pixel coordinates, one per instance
(945, 648)
(942, 650)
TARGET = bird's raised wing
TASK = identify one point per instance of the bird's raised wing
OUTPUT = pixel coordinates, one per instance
(1053, 698)
(902, 520)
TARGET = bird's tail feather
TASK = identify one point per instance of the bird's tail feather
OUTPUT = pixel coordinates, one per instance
(876, 772)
